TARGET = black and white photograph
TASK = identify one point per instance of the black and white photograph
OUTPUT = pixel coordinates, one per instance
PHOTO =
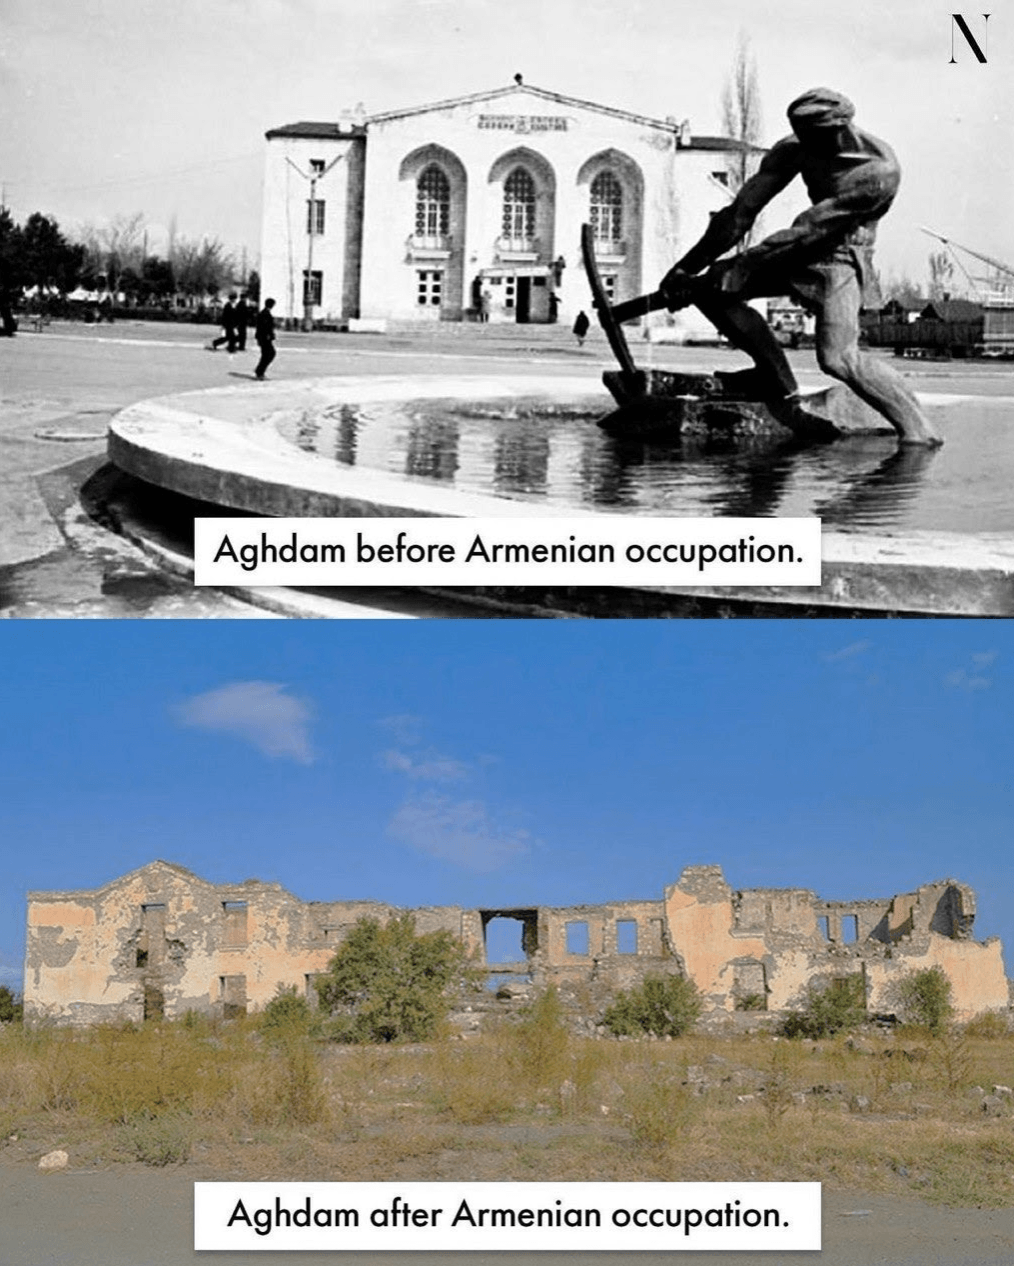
(687, 263)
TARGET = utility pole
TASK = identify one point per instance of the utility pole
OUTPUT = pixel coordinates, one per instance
(312, 177)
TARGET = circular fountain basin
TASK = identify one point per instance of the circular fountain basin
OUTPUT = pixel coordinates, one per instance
(911, 530)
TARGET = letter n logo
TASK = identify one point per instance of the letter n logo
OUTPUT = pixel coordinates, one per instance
(957, 21)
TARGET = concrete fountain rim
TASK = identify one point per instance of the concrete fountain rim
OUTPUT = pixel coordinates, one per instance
(205, 445)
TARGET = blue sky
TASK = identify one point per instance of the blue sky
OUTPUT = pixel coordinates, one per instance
(507, 762)
(118, 106)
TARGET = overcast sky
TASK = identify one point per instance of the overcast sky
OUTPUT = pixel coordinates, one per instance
(116, 106)
(507, 763)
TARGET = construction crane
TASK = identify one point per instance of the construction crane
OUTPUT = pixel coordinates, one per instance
(998, 300)
(997, 264)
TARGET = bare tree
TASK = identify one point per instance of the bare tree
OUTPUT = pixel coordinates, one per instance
(201, 268)
(741, 117)
(123, 238)
(114, 249)
(941, 275)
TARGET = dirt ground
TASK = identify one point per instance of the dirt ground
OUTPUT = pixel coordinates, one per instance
(136, 1216)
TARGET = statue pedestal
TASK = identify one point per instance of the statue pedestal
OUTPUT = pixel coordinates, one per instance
(720, 405)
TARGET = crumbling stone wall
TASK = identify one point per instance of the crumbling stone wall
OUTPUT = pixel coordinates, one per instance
(787, 938)
(162, 941)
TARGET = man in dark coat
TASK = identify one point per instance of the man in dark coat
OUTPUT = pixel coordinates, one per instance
(265, 335)
(243, 314)
(228, 323)
(824, 260)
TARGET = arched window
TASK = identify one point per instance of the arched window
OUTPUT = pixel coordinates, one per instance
(432, 203)
(607, 207)
(519, 205)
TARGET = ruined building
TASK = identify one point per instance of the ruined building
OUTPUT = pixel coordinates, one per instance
(160, 940)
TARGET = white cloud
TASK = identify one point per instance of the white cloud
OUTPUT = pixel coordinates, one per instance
(462, 830)
(975, 677)
(259, 712)
(405, 728)
(459, 831)
(429, 767)
(848, 652)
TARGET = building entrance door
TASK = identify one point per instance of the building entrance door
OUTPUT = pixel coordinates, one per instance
(523, 303)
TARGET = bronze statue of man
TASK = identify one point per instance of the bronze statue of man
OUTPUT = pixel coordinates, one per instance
(823, 260)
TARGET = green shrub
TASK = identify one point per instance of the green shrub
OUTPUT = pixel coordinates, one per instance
(386, 984)
(667, 1006)
(286, 1013)
(11, 1007)
(925, 998)
(839, 1007)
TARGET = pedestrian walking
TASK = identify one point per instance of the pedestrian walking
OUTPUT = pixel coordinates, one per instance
(264, 332)
(243, 314)
(228, 323)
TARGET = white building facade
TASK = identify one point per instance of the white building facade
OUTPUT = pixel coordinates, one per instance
(472, 208)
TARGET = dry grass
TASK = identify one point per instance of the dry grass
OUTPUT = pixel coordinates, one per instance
(896, 1114)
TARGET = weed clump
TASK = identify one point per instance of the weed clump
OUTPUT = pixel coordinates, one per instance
(665, 1006)
(157, 1140)
(838, 1008)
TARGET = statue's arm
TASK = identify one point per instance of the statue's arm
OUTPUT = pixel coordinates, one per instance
(863, 196)
(730, 225)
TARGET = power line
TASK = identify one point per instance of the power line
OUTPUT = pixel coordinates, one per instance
(131, 180)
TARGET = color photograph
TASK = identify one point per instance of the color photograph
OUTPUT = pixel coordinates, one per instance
(709, 902)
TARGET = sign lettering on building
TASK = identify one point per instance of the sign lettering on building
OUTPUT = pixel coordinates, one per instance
(523, 122)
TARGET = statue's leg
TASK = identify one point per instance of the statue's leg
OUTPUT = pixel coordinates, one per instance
(873, 381)
(747, 330)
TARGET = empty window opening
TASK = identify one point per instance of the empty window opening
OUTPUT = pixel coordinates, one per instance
(505, 941)
(154, 1003)
(508, 985)
(749, 987)
(235, 916)
(232, 991)
(823, 927)
(577, 938)
(626, 936)
(849, 929)
(151, 942)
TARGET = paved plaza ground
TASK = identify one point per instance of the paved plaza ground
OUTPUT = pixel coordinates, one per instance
(61, 386)
(133, 1216)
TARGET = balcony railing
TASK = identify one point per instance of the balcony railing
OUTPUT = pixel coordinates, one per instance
(430, 245)
(610, 249)
(517, 248)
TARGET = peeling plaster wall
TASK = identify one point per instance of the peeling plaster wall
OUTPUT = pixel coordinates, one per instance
(161, 940)
(725, 938)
